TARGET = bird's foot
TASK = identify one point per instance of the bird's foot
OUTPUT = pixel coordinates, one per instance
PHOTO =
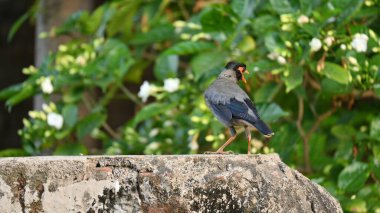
(220, 152)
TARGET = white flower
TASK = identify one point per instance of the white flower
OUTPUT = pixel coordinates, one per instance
(154, 132)
(185, 36)
(330, 6)
(352, 60)
(331, 20)
(329, 40)
(194, 26)
(55, 120)
(281, 60)
(179, 24)
(194, 146)
(153, 146)
(47, 86)
(343, 47)
(302, 20)
(199, 36)
(272, 55)
(315, 44)
(81, 60)
(146, 90)
(359, 43)
(171, 84)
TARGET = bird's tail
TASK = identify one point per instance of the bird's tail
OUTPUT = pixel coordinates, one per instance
(263, 128)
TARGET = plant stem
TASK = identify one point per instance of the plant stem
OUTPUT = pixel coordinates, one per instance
(307, 136)
(87, 100)
(130, 95)
(110, 131)
(306, 146)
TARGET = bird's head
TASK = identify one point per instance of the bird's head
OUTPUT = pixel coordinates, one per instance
(239, 69)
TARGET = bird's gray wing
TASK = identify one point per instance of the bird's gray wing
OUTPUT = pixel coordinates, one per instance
(241, 110)
(221, 112)
(246, 110)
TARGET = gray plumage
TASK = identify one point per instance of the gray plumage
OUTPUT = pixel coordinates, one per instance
(231, 105)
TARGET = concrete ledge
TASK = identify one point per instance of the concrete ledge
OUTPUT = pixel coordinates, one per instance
(185, 183)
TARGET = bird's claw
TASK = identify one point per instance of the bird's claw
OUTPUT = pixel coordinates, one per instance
(220, 152)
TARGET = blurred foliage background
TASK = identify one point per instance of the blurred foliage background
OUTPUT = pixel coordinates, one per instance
(314, 76)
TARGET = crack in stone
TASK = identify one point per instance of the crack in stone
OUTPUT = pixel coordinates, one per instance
(138, 189)
(21, 191)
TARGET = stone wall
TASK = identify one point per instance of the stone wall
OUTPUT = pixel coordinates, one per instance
(186, 183)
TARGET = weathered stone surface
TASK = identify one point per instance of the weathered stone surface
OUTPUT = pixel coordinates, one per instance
(191, 183)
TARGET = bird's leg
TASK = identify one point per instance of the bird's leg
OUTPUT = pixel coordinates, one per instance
(220, 150)
(248, 134)
(232, 138)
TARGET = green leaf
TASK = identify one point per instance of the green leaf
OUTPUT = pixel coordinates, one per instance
(122, 21)
(343, 132)
(266, 92)
(31, 13)
(264, 24)
(157, 34)
(306, 6)
(105, 18)
(271, 112)
(89, 123)
(75, 22)
(26, 92)
(207, 61)
(281, 6)
(244, 8)
(11, 90)
(293, 77)
(356, 205)
(149, 111)
(273, 43)
(216, 20)
(247, 44)
(189, 47)
(375, 161)
(336, 73)
(17, 25)
(332, 87)
(70, 114)
(166, 67)
(348, 9)
(117, 57)
(375, 60)
(353, 177)
(71, 149)
(12, 153)
(375, 129)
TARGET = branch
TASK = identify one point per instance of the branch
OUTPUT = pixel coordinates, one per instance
(300, 116)
(306, 147)
(318, 122)
(314, 84)
(88, 102)
(110, 131)
(306, 136)
(130, 95)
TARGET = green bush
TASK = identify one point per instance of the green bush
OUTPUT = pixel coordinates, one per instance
(314, 76)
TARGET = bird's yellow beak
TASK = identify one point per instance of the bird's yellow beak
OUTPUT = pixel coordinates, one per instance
(242, 71)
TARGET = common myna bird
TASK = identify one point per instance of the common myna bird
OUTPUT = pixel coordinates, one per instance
(232, 106)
